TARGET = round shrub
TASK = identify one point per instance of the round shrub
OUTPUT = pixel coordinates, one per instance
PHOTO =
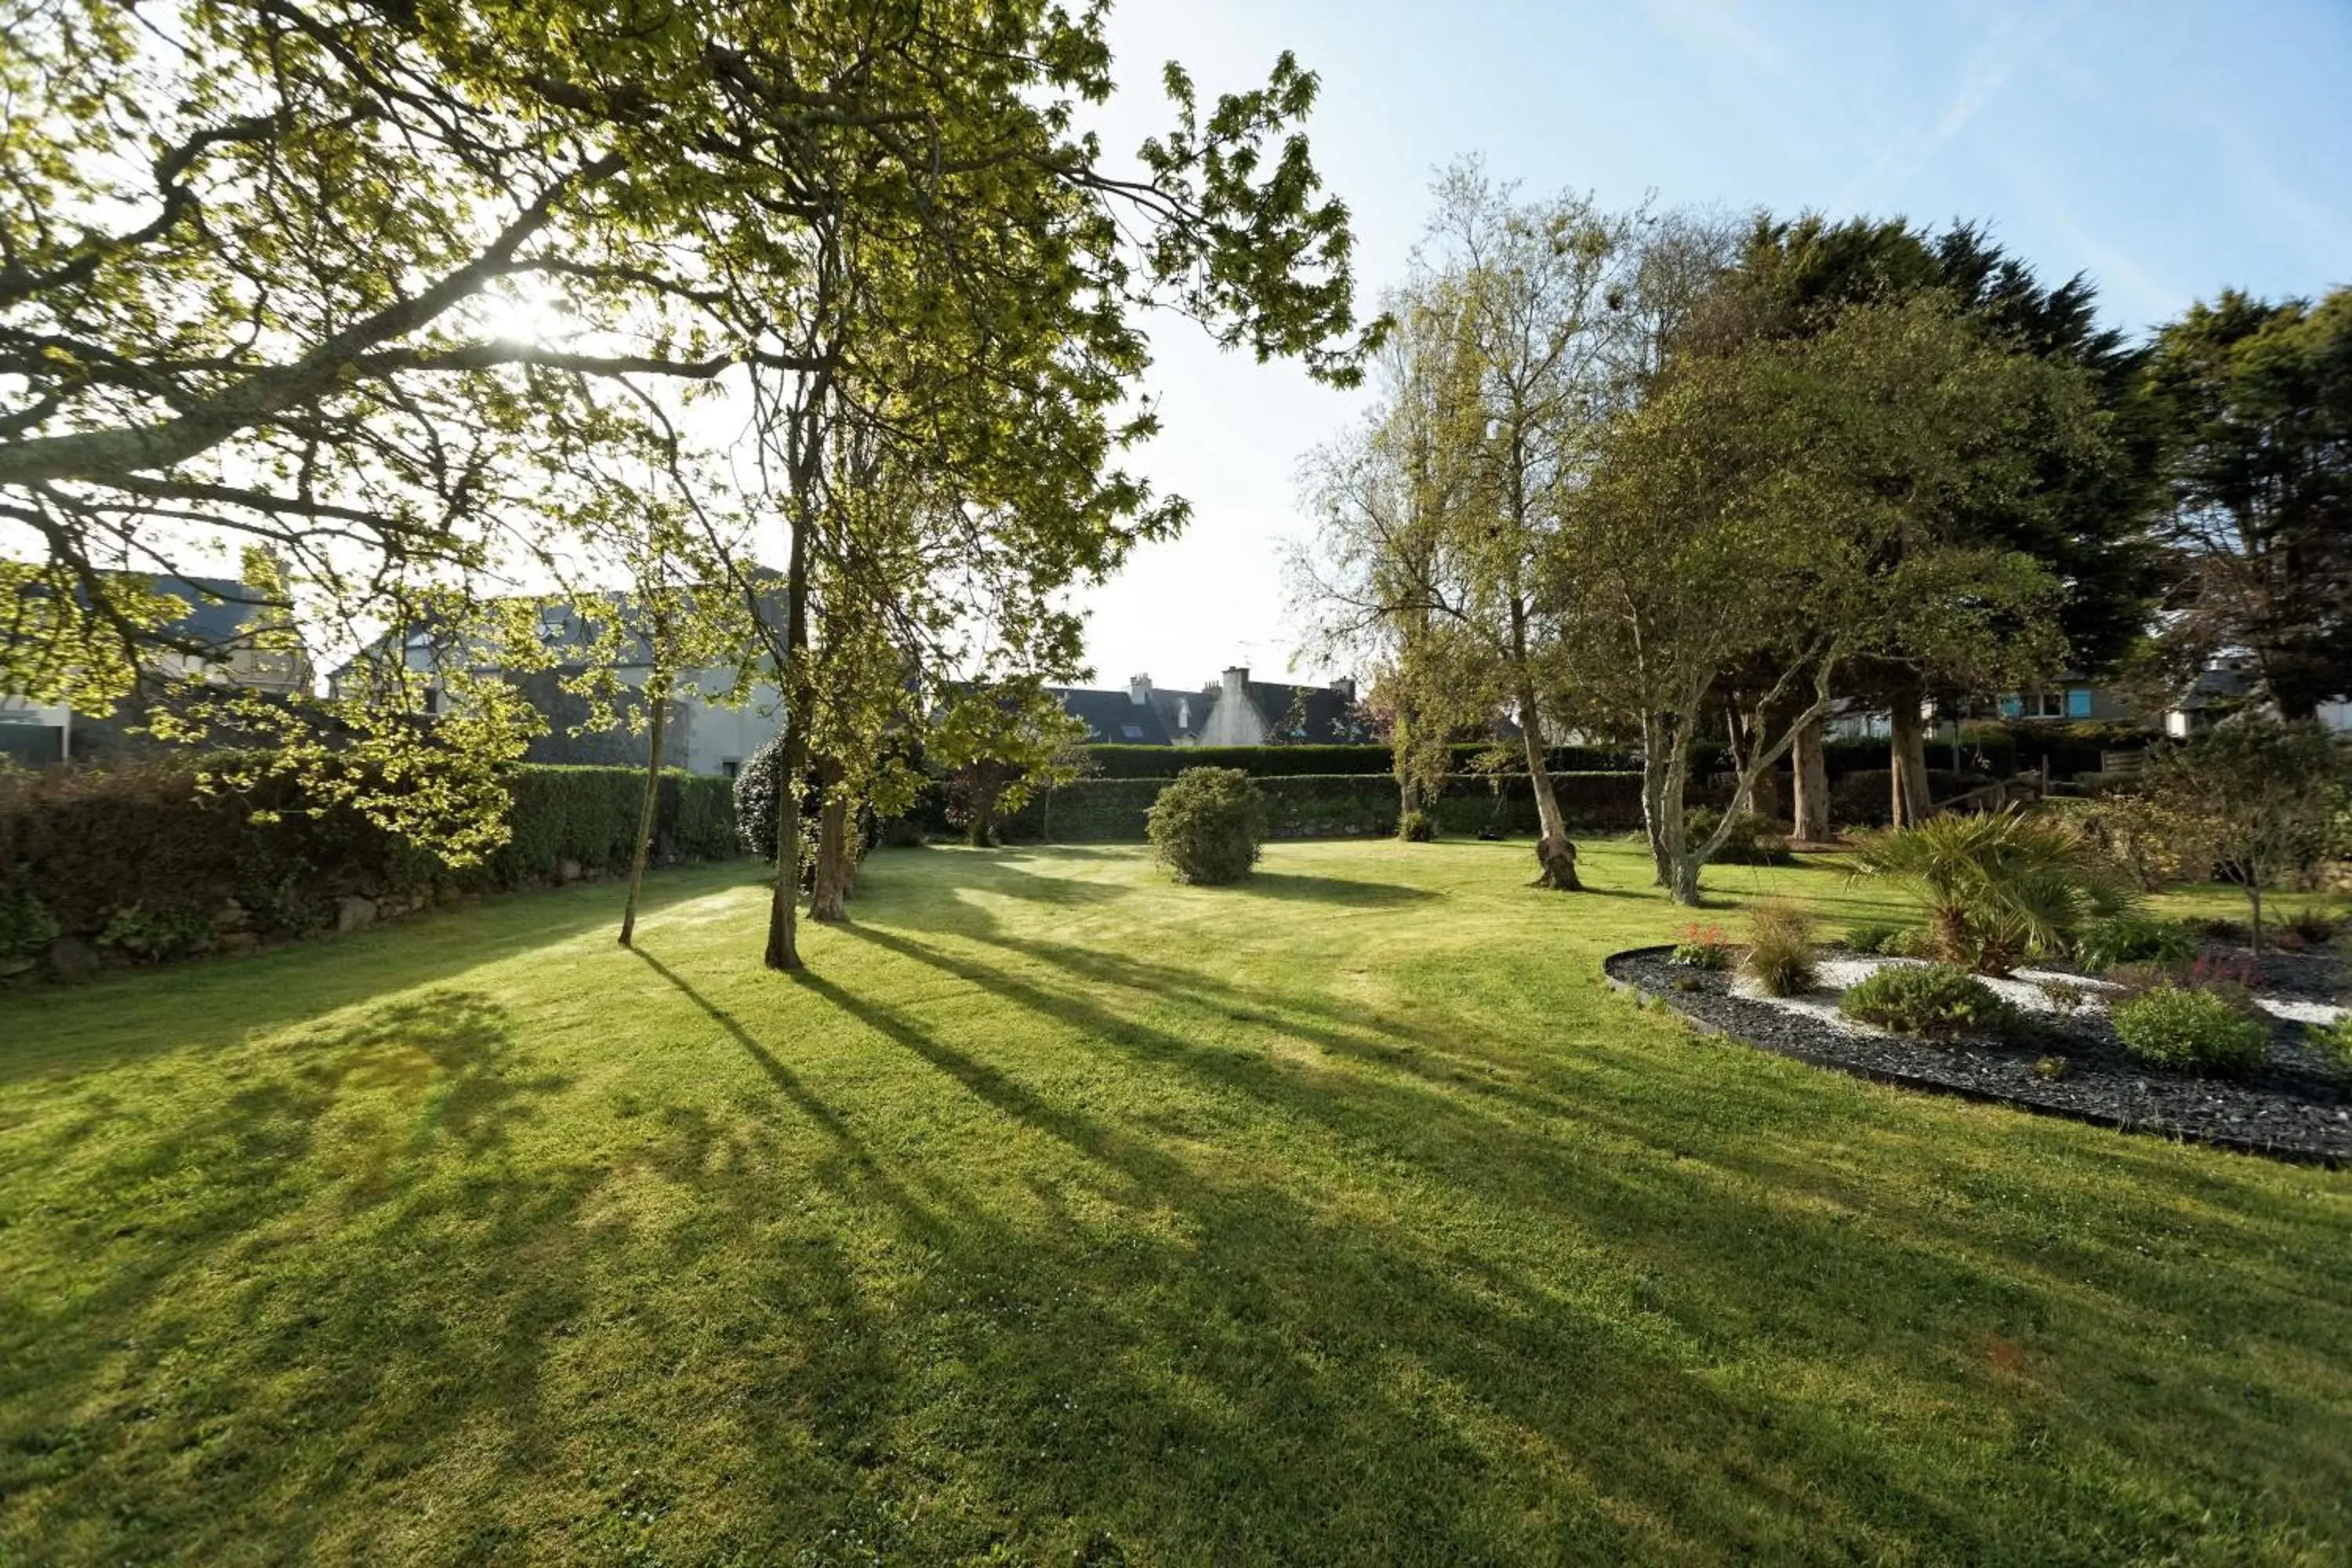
(1417, 827)
(2192, 1031)
(1939, 1001)
(755, 799)
(1207, 826)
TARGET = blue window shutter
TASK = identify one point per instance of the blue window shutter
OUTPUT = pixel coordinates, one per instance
(2078, 702)
(2010, 707)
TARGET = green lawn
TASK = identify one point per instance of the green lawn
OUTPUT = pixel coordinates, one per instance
(1069, 1216)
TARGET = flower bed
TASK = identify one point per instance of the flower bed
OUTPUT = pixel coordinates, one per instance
(2299, 1107)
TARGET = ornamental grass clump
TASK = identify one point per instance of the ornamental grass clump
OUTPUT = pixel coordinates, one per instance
(1780, 957)
(1207, 826)
(1938, 1001)
(2192, 1031)
(2000, 888)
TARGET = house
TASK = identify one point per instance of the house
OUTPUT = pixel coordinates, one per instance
(1232, 711)
(701, 735)
(2072, 696)
(228, 636)
(2230, 684)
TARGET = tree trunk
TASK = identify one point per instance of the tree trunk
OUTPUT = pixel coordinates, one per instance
(1686, 888)
(1655, 762)
(1809, 784)
(1555, 853)
(1908, 801)
(660, 687)
(792, 760)
(831, 892)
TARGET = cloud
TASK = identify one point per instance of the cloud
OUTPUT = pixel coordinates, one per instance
(2016, 38)
(1721, 25)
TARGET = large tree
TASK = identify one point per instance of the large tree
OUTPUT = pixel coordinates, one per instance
(1527, 297)
(1777, 509)
(1369, 583)
(2081, 517)
(261, 271)
(2257, 400)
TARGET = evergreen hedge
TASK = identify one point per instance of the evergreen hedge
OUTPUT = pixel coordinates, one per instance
(1344, 805)
(136, 861)
(1117, 761)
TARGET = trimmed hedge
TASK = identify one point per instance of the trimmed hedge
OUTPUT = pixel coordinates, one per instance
(1345, 806)
(1113, 761)
(139, 849)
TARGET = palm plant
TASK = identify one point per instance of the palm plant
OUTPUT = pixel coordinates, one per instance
(2002, 887)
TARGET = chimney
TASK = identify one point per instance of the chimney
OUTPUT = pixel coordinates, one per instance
(1236, 683)
(1346, 687)
(1139, 689)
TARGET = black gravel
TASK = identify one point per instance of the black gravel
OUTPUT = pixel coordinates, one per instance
(2297, 1109)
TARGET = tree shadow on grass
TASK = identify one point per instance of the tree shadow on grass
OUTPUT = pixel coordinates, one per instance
(1296, 887)
(1140, 1389)
(312, 1317)
(1003, 1294)
(1304, 1328)
(133, 1014)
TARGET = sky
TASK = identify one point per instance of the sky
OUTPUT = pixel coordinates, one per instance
(2167, 150)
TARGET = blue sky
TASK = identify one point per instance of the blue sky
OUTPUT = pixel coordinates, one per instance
(2167, 150)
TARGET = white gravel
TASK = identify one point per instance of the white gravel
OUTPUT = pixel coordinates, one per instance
(2023, 988)
(2299, 1011)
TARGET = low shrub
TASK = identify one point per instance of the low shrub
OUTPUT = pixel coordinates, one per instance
(1753, 840)
(2313, 924)
(1881, 937)
(2218, 927)
(1780, 948)
(1912, 942)
(1208, 824)
(27, 927)
(156, 936)
(2190, 1030)
(2333, 1042)
(1417, 827)
(1939, 1001)
(2133, 938)
(2050, 1069)
(1702, 947)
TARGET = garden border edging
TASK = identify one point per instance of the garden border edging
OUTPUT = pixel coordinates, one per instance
(1899, 1079)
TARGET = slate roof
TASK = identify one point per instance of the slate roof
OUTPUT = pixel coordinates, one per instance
(1324, 717)
(2226, 682)
(1113, 717)
(218, 609)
